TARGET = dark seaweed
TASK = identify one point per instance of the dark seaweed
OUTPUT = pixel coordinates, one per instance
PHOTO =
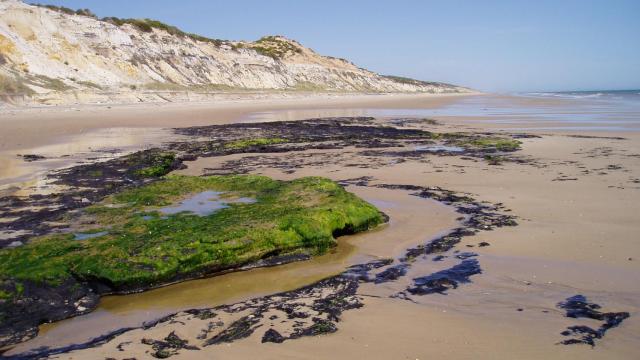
(169, 346)
(273, 336)
(392, 273)
(577, 307)
(442, 281)
(32, 157)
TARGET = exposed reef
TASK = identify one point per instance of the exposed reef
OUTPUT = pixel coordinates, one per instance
(138, 248)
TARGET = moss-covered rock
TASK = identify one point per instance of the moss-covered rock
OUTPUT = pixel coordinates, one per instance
(142, 247)
(138, 246)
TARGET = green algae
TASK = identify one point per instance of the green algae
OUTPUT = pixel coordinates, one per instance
(500, 144)
(505, 144)
(161, 164)
(243, 144)
(143, 249)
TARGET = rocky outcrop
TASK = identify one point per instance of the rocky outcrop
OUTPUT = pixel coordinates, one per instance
(54, 55)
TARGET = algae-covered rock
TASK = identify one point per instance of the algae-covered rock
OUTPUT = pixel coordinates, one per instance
(137, 245)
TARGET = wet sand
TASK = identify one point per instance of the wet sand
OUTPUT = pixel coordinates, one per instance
(26, 128)
(84, 132)
(576, 202)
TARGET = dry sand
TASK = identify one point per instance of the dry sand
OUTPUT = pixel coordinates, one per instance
(574, 237)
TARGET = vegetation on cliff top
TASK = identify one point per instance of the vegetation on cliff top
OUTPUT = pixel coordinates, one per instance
(144, 25)
(147, 25)
(275, 47)
(414, 82)
(66, 10)
(137, 246)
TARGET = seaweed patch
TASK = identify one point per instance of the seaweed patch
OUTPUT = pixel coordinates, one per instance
(577, 307)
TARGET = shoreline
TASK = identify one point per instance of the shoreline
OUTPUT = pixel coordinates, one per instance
(68, 120)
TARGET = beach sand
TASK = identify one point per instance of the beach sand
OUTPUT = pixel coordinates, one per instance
(576, 201)
(72, 134)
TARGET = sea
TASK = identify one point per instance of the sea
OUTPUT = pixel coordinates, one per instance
(571, 111)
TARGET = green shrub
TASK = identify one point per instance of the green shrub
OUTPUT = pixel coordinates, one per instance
(11, 86)
(274, 47)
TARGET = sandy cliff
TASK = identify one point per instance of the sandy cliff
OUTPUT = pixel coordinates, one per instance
(55, 56)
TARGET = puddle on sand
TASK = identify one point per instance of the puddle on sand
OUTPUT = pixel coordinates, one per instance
(439, 148)
(15, 244)
(204, 203)
(85, 236)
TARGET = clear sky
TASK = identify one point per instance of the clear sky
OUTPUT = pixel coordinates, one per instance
(504, 46)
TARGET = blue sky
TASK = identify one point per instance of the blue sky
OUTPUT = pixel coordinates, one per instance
(501, 46)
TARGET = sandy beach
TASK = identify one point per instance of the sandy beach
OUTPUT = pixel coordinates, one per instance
(574, 194)
(74, 133)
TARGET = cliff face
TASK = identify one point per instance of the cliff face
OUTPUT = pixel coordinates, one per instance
(46, 53)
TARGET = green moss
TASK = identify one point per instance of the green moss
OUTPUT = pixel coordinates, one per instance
(456, 137)
(487, 143)
(161, 165)
(144, 248)
(500, 144)
(242, 144)
(473, 141)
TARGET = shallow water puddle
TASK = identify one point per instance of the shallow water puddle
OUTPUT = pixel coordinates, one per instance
(204, 203)
(439, 148)
(85, 236)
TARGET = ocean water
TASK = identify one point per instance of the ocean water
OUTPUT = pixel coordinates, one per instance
(616, 111)
(615, 95)
(573, 111)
